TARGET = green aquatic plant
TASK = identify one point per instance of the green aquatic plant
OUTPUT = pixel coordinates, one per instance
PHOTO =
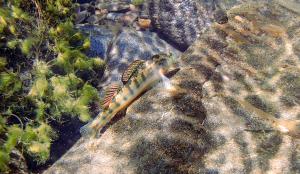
(137, 2)
(42, 60)
(9, 83)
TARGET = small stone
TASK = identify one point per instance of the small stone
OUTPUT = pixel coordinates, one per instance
(84, 6)
(144, 16)
(129, 18)
(101, 11)
(136, 26)
(114, 6)
(104, 11)
(81, 16)
(97, 12)
(114, 16)
(117, 7)
(94, 19)
(87, 7)
(133, 8)
(91, 9)
(144, 23)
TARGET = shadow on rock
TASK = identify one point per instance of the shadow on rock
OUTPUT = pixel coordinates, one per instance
(170, 155)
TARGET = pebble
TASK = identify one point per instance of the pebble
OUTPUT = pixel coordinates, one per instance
(87, 7)
(114, 16)
(129, 18)
(114, 6)
(81, 16)
(133, 8)
(95, 19)
(101, 11)
(84, 7)
(144, 23)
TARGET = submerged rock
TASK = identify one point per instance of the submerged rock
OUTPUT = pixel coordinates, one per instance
(113, 6)
(181, 22)
(131, 45)
(144, 23)
(204, 127)
(95, 19)
(114, 16)
(129, 18)
(17, 162)
(101, 39)
(125, 18)
(87, 7)
(82, 16)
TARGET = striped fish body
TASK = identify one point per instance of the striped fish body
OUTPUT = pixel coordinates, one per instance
(134, 88)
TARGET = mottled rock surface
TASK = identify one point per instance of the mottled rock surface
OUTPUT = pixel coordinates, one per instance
(203, 129)
(181, 22)
(131, 45)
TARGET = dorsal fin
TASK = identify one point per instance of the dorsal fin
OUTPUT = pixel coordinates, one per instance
(132, 70)
(110, 92)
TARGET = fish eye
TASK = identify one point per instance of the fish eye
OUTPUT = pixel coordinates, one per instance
(161, 59)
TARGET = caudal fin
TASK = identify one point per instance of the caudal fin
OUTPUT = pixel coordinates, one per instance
(87, 130)
(290, 127)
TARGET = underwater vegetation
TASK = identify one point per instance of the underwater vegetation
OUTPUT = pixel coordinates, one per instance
(44, 75)
(137, 2)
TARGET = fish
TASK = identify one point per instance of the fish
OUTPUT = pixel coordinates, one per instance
(288, 127)
(154, 71)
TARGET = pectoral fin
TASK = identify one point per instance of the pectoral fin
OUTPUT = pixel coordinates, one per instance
(110, 92)
(290, 127)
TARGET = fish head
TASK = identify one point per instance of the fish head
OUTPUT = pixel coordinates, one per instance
(165, 62)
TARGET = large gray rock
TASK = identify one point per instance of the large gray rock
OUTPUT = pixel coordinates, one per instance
(121, 46)
(181, 22)
(204, 128)
(131, 45)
